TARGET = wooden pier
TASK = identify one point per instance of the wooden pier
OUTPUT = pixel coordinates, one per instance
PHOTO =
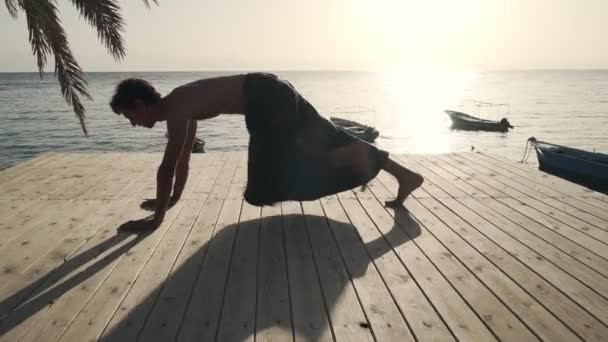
(487, 249)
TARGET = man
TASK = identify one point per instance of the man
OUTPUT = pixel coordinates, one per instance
(294, 153)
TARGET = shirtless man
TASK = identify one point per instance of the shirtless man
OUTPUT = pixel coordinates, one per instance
(294, 153)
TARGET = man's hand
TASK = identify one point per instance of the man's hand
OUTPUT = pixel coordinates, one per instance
(147, 223)
(150, 203)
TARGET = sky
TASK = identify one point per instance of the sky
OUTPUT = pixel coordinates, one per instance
(334, 35)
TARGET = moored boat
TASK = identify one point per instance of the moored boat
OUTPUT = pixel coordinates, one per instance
(463, 121)
(361, 131)
(584, 167)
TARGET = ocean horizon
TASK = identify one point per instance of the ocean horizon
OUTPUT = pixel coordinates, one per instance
(568, 107)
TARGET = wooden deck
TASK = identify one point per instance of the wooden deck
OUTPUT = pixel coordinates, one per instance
(486, 250)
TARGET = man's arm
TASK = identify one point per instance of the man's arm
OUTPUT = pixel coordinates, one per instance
(177, 130)
(181, 172)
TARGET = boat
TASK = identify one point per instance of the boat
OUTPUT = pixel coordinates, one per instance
(361, 131)
(198, 146)
(583, 167)
(467, 122)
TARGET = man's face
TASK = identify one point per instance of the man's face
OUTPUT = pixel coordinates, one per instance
(140, 115)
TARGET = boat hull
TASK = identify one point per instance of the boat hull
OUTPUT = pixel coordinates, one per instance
(565, 164)
(363, 132)
(465, 122)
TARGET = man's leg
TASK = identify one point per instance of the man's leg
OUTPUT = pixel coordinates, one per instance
(356, 156)
(408, 181)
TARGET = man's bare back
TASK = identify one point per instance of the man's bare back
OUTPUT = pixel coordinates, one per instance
(207, 98)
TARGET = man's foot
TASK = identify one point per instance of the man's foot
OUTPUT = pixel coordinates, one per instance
(408, 182)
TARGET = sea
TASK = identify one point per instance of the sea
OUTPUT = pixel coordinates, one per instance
(566, 107)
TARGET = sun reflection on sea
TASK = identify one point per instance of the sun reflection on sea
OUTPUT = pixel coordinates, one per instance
(414, 109)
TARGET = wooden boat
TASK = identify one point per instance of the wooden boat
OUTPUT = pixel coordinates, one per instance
(467, 122)
(363, 132)
(587, 168)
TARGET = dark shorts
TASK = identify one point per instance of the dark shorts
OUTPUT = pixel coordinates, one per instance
(290, 146)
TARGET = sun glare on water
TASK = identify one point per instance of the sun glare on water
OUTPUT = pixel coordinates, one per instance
(415, 102)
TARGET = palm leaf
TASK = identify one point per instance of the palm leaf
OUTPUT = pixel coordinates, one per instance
(47, 35)
(147, 3)
(11, 6)
(104, 16)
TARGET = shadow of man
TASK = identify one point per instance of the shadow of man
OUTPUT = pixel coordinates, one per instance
(29, 300)
(223, 300)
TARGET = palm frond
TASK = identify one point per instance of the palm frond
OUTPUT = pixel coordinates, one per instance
(47, 36)
(105, 16)
(11, 6)
(40, 47)
(147, 3)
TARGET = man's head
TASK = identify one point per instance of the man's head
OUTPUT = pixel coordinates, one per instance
(137, 100)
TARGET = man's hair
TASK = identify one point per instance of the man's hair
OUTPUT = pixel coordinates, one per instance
(131, 89)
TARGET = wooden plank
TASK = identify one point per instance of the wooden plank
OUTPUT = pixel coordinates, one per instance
(487, 182)
(549, 244)
(539, 200)
(309, 312)
(17, 256)
(273, 315)
(529, 212)
(588, 212)
(589, 241)
(204, 188)
(348, 321)
(456, 313)
(520, 302)
(201, 319)
(200, 165)
(61, 239)
(18, 170)
(577, 216)
(153, 288)
(599, 201)
(421, 316)
(531, 313)
(39, 215)
(10, 207)
(64, 316)
(479, 296)
(71, 219)
(69, 287)
(564, 230)
(69, 243)
(33, 269)
(163, 322)
(532, 173)
(559, 188)
(57, 179)
(386, 321)
(576, 317)
(36, 172)
(513, 179)
(98, 312)
(84, 180)
(47, 265)
(473, 184)
(202, 315)
(237, 319)
(131, 168)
